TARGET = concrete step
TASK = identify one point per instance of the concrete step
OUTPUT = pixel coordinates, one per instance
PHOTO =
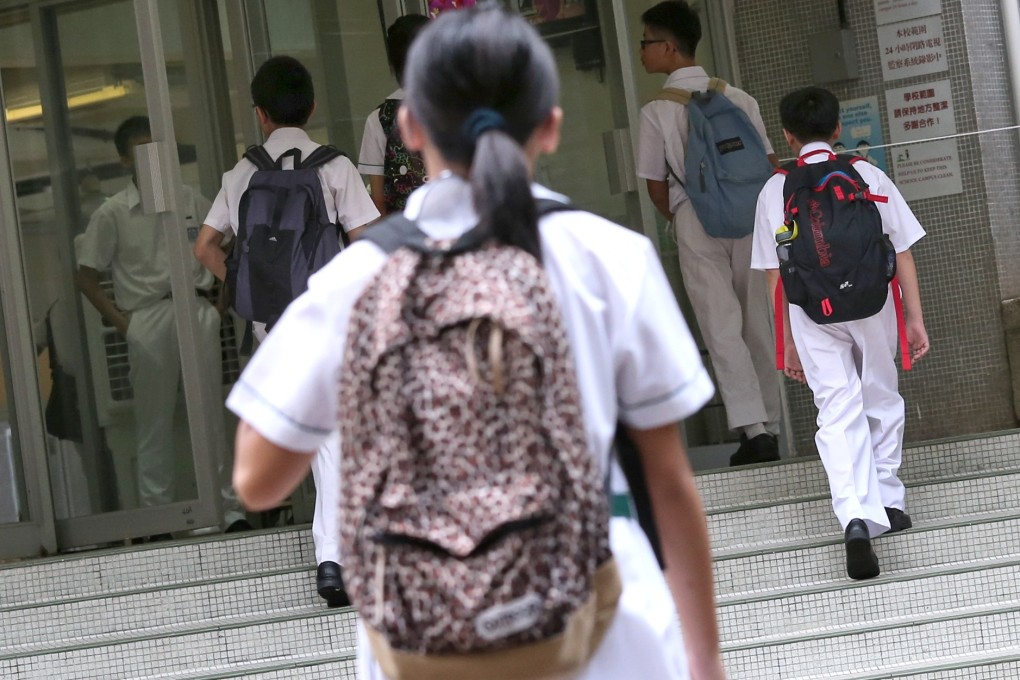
(799, 479)
(214, 653)
(881, 652)
(161, 611)
(983, 668)
(928, 504)
(862, 605)
(818, 564)
(155, 566)
(331, 670)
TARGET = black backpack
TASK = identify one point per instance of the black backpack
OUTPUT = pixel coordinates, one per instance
(284, 234)
(835, 260)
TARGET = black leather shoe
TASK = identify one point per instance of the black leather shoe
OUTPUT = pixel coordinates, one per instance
(329, 583)
(898, 520)
(861, 562)
(761, 449)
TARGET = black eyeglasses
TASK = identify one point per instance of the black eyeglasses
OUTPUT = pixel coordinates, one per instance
(646, 43)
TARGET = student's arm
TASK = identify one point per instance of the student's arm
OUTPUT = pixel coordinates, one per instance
(791, 359)
(906, 274)
(87, 280)
(209, 252)
(680, 518)
(774, 160)
(265, 474)
(658, 191)
(376, 188)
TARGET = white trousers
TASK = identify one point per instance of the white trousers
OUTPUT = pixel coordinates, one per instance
(851, 370)
(731, 306)
(155, 373)
(644, 639)
(326, 520)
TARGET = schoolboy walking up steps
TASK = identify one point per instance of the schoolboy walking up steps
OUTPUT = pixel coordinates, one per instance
(284, 99)
(726, 295)
(849, 365)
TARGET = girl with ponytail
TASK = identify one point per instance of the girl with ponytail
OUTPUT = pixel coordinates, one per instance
(481, 107)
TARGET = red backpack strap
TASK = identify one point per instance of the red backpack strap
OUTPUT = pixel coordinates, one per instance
(780, 333)
(901, 325)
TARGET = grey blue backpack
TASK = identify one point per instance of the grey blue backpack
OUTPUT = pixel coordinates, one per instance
(284, 234)
(725, 160)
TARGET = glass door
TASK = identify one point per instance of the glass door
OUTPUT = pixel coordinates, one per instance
(127, 366)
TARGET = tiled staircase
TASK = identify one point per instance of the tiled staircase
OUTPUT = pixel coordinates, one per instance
(947, 604)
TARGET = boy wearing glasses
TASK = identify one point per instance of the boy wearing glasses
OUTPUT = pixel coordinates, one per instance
(728, 298)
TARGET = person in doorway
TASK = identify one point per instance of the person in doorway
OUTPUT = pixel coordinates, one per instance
(849, 366)
(393, 172)
(121, 238)
(481, 107)
(284, 100)
(727, 297)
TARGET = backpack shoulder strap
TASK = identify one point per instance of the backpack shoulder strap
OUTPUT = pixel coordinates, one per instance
(673, 94)
(394, 232)
(324, 154)
(716, 85)
(259, 157)
(547, 206)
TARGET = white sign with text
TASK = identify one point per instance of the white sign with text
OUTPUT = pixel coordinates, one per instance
(889, 11)
(912, 48)
(920, 112)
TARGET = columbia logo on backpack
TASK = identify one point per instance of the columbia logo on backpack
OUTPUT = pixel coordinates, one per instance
(284, 234)
(835, 260)
(725, 160)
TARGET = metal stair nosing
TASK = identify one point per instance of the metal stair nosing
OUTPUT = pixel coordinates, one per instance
(957, 593)
(978, 497)
(929, 671)
(173, 609)
(798, 478)
(878, 650)
(780, 570)
(101, 572)
(252, 644)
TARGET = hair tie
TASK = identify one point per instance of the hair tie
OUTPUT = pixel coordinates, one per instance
(481, 121)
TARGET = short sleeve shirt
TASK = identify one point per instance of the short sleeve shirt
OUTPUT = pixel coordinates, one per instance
(121, 238)
(664, 130)
(372, 158)
(636, 360)
(898, 221)
(345, 194)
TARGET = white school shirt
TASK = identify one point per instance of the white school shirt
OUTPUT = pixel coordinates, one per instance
(898, 221)
(372, 158)
(665, 126)
(635, 360)
(132, 245)
(345, 194)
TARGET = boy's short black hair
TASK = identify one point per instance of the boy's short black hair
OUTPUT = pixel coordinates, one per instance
(135, 126)
(810, 114)
(676, 18)
(398, 41)
(282, 88)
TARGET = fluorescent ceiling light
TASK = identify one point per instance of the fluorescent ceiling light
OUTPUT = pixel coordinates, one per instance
(103, 94)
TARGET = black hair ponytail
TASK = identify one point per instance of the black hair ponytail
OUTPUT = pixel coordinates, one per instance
(481, 81)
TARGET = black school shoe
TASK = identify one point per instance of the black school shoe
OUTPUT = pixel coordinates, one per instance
(861, 561)
(329, 583)
(761, 449)
(898, 520)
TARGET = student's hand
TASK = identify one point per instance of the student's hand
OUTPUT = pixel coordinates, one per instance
(791, 358)
(121, 323)
(917, 338)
